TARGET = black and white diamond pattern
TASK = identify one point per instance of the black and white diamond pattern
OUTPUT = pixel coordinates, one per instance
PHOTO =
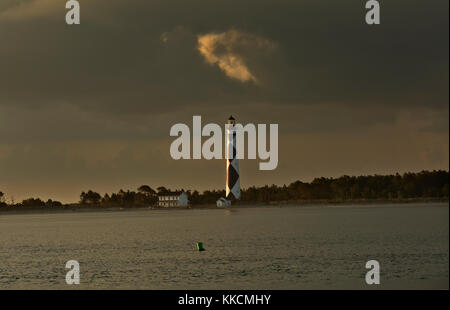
(233, 190)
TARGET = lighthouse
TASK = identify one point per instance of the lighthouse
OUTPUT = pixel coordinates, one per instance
(233, 189)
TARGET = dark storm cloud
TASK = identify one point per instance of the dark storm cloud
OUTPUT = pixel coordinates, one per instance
(145, 54)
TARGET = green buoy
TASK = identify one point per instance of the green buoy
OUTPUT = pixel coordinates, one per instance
(200, 246)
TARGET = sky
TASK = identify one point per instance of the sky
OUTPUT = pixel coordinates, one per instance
(90, 106)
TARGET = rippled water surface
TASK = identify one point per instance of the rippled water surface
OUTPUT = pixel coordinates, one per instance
(252, 248)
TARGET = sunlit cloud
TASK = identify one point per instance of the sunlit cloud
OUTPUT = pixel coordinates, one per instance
(225, 50)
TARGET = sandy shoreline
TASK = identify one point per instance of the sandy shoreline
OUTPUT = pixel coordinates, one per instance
(283, 204)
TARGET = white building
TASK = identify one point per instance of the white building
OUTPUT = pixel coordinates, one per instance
(173, 199)
(222, 203)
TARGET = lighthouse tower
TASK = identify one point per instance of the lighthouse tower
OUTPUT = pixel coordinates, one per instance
(233, 189)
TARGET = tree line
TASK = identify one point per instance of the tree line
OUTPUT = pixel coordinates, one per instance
(425, 184)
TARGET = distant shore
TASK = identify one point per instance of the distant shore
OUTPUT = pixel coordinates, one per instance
(294, 203)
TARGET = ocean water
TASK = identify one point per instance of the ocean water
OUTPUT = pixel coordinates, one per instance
(324, 247)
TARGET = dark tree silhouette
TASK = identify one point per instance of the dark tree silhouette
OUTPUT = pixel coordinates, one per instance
(162, 190)
(423, 185)
(2, 200)
(90, 198)
(147, 190)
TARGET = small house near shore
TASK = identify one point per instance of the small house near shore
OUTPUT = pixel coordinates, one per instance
(223, 203)
(173, 199)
